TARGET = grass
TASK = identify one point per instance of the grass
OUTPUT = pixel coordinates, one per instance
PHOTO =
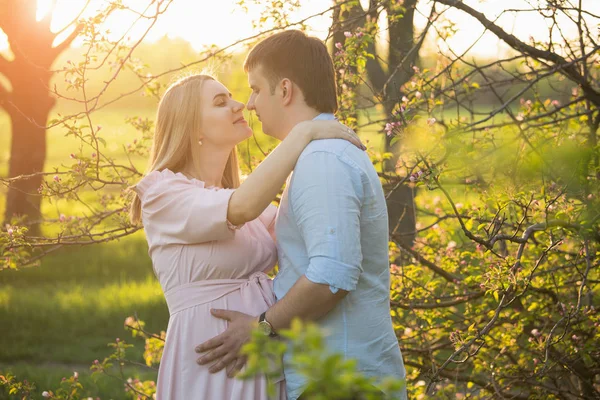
(60, 316)
(70, 307)
(48, 377)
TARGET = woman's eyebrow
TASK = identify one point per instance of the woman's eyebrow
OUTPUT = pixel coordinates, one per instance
(222, 95)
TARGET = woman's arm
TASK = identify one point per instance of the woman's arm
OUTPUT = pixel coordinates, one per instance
(262, 185)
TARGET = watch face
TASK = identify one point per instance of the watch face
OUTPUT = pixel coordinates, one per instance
(265, 328)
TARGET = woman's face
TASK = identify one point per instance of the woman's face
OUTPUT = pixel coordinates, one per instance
(222, 121)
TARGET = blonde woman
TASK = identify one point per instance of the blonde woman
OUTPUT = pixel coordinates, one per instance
(211, 238)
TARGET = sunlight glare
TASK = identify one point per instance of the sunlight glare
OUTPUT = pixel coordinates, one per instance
(43, 7)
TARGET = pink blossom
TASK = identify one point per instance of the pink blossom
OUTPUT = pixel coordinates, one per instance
(46, 394)
(93, 155)
(418, 95)
(404, 99)
(388, 129)
(56, 178)
(359, 34)
(338, 45)
(431, 121)
(62, 218)
(75, 375)
(535, 332)
(556, 103)
(347, 34)
(9, 231)
(412, 178)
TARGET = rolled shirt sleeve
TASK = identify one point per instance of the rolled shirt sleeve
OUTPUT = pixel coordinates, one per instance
(325, 196)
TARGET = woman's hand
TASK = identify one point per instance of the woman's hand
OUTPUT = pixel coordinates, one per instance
(317, 130)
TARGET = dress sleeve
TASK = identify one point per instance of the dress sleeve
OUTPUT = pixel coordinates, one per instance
(178, 210)
(268, 216)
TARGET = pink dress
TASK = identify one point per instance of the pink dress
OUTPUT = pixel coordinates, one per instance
(203, 263)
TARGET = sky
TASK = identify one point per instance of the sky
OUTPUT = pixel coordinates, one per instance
(222, 22)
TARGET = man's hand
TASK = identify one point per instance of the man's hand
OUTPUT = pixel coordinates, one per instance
(226, 346)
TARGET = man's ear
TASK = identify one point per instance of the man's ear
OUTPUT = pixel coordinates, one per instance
(287, 91)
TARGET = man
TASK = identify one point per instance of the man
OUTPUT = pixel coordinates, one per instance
(331, 228)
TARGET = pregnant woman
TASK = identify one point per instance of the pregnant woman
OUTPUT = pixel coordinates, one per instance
(211, 239)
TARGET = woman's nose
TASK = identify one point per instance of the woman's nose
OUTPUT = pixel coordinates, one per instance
(238, 106)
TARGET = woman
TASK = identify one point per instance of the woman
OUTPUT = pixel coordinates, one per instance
(210, 238)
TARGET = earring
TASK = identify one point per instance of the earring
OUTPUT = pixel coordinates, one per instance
(200, 142)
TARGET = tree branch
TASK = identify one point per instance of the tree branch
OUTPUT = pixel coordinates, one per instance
(566, 68)
(444, 274)
(67, 42)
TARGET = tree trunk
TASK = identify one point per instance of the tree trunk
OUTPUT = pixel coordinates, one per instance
(387, 82)
(28, 110)
(28, 102)
(402, 56)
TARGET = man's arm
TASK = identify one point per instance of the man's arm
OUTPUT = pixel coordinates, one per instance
(325, 198)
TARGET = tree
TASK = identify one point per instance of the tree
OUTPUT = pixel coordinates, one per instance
(488, 127)
(28, 101)
(386, 74)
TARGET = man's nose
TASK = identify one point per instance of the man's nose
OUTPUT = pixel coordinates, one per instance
(250, 104)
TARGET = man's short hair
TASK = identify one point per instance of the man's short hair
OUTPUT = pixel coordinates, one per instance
(302, 59)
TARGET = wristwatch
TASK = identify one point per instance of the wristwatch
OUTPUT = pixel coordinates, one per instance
(265, 326)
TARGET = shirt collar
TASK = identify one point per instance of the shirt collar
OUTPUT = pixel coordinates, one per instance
(324, 117)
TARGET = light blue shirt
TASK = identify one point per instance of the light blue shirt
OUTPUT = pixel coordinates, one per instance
(332, 226)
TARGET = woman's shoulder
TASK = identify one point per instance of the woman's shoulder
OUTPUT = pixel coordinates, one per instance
(166, 178)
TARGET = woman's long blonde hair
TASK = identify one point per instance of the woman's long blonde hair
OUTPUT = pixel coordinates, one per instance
(176, 134)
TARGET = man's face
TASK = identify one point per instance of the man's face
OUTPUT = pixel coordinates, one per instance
(268, 106)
